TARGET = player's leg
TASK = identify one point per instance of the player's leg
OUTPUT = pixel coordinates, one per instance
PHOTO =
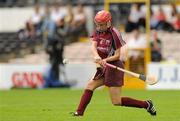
(115, 94)
(86, 97)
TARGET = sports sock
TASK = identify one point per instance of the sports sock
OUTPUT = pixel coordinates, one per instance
(130, 102)
(85, 99)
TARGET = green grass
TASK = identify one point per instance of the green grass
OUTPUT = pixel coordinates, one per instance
(55, 105)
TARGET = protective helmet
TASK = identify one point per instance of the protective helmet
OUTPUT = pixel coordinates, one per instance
(102, 16)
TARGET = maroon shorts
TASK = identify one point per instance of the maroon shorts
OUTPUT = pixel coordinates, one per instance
(111, 76)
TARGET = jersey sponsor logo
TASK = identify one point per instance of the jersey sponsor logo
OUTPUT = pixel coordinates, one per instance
(104, 45)
(104, 41)
(102, 49)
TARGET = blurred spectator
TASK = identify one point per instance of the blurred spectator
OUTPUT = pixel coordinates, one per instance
(161, 16)
(136, 42)
(50, 80)
(136, 18)
(55, 50)
(80, 21)
(175, 18)
(53, 19)
(35, 22)
(48, 26)
(69, 18)
(136, 46)
(55, 33)
(69, 24)
(153, 20)
(75, 24)
(174, 10)
(57, 14)
(156, 46)
(32, 26)
(162, 21)
(176, 22)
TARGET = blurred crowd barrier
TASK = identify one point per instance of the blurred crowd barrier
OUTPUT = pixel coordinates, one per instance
(31, 76)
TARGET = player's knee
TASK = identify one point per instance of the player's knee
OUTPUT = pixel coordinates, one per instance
(90, 86)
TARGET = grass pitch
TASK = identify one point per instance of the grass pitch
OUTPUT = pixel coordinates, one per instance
(55, 105)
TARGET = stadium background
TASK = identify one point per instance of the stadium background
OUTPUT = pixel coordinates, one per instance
(24, 62)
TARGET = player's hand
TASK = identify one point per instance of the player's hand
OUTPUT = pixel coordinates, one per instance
(103, 62)
(97, 59)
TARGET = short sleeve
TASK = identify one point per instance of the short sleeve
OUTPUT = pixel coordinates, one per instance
(118, 40)
(93, 36)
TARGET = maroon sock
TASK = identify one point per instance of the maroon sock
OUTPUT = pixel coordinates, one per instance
(85, 99)
(129, 102)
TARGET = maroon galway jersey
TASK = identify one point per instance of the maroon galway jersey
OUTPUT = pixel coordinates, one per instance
(108, 42)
